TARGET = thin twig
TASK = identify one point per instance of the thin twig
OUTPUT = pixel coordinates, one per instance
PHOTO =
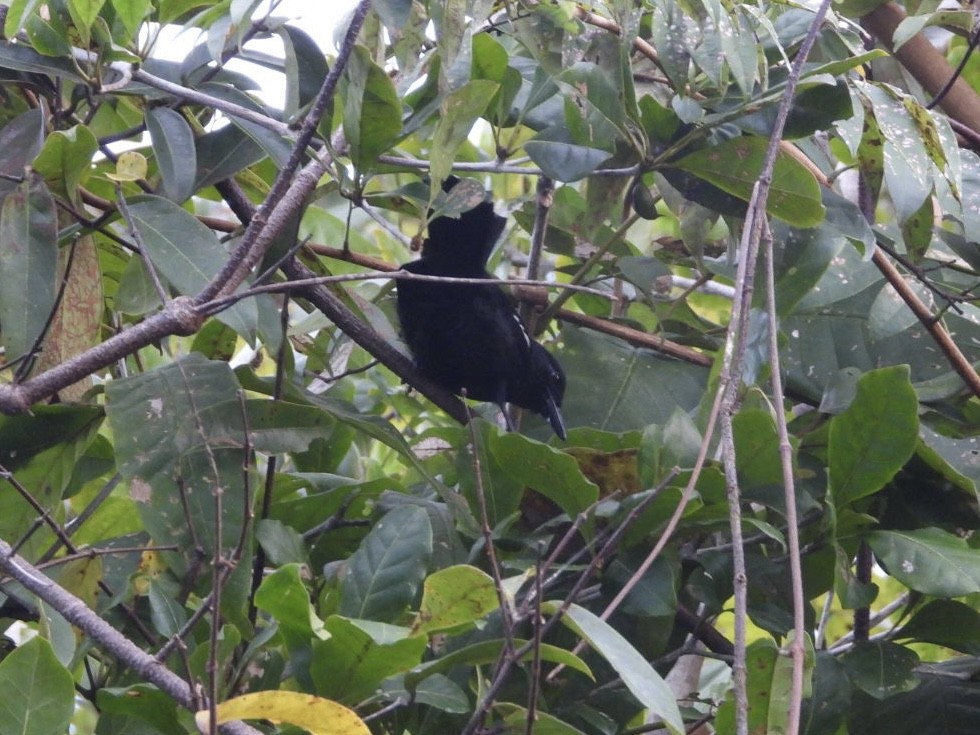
(797, 645)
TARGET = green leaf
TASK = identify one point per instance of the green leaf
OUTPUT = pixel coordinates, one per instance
(306, 68)
(871, 441)
(948, 19)
(23, 437)
(636, 672)
(929, 560)
(487, 652)
(438, 691)
(223, 153)
(515, 719)
(282, 544)
(760, 663)
(28, 264)
(384, 574)
(274, 427)
(458, 112)
(372, 110)
(284, 596)
(84, 12)
(908, 166)
(551, 472)
(350, 665)
(890, 315)
(881, 669)
(948, 623)
(39, 692)
(563, 161)
(66, 160)
(132, 13)
(825, 709)
(274, 145)
(617, 387)
(156, 419)
(143, 703)
(453, 34)
(453, 597)
(734, 165)
(187, 254)
(23, 58)
(955, 458)
(18, 15)
(173, 146)
(20, 142)
(946, 702)
(167, 614)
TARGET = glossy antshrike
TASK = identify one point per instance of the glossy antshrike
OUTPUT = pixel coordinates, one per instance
(469, 338)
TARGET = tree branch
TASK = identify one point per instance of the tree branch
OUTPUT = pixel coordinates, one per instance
(76, 612)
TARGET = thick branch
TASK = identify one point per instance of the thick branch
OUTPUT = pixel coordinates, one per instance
(108, 638)
(178, 317)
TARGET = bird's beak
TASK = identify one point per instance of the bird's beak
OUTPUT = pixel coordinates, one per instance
(554, 416)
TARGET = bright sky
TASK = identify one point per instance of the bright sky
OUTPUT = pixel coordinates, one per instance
(320, 19)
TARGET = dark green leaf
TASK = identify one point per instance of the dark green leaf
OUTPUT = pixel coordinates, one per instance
(275, 146)
(306, 68)
(947, 623)
(946, 702)
(22, 437)
(384, 574)
(173, 145)
(881, 669)
(563, 161)
(28, 264)
(616, 387)
(827, 706)
(24, 58)
(142, 703)
(167, 614)
(223, 153)
(875, 436)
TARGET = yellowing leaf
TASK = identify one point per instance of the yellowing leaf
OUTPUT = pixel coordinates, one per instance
(131, 166)
(319, 716)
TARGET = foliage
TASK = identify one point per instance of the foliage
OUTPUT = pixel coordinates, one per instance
(212, 438)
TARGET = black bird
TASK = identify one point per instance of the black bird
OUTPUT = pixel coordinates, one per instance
(469, 338)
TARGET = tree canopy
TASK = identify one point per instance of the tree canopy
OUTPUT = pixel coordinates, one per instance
(230, 502)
